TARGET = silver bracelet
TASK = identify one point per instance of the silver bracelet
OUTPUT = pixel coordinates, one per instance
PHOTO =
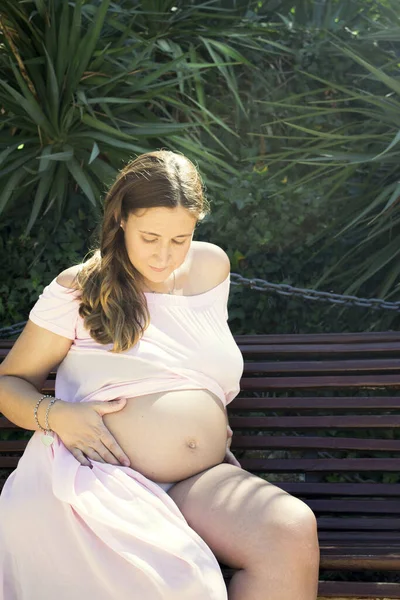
(36, 410)
(47, 437)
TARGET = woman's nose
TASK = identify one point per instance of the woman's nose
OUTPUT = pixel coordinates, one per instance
(163, 255)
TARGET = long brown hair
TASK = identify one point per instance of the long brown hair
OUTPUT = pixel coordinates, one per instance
(113, 306)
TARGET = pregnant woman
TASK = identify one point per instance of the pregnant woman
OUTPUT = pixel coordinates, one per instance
(125, 490)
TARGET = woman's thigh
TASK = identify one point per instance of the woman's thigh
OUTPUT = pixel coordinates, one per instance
(240, 516)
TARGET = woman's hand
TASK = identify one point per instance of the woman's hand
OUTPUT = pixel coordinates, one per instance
(81, 428)
(229, 457)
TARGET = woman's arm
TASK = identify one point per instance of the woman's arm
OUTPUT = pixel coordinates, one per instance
(24, 371)
(229, 457)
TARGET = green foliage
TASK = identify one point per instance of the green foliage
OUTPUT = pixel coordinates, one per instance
(334, 122)
(259, 216)
(34, 260)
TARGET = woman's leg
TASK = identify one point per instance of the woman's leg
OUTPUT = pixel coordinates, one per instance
(253, 526)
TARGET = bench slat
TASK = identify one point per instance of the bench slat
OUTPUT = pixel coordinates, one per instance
(315, 366)
(360, 524)
(12, 446)
(328, 381)
(315, 403)
(319, 422)
(318, 338)
(240, 442)
(358, 590)
(321, 465)
(296, 349)
(312, 489)
(343, 538)
(354, 560)
(352, 505)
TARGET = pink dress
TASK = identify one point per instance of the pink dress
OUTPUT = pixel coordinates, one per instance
(67, 531)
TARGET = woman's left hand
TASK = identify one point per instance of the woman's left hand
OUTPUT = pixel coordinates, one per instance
(229, 457)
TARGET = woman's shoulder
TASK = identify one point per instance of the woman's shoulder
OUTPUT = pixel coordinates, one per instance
(210, 265)
(67, 277)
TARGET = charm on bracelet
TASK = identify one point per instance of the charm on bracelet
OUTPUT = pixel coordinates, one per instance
(47, 438)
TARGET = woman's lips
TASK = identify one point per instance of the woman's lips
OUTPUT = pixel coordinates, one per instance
(159, 270)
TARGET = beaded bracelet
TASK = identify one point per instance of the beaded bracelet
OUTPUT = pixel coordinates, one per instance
(36, 409)
(47, 437)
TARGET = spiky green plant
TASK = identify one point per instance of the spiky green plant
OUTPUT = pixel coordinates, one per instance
(86, 85)
(343, 131)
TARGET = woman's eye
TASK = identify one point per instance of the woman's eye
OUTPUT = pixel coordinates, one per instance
(152, 241)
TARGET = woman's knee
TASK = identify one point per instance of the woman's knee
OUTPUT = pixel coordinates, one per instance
(293, 524)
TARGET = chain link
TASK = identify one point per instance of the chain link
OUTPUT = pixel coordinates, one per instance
(283, 289)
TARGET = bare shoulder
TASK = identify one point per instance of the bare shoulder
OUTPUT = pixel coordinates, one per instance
(210, 263)
(67, 278)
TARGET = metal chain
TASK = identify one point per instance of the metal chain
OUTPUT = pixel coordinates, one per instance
(261, 285)
(287, 290)
(12, 330)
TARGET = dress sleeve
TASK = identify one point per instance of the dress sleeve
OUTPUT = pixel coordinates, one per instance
(57, 310)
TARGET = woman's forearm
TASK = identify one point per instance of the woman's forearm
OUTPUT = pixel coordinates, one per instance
(17, 402)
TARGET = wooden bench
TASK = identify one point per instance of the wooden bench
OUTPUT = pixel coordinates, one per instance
(319, 416)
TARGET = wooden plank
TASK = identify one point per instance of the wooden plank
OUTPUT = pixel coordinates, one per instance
(318, 338)
(296, 349)
(13, 445)
(353, 505)
(321, 465)
(315, 366)
(340, 489)
(315, 403)
(258, 442)
(359, 589)
(359, 524)
(358, 550)
(319, 422)
(327, 381)
(388, 538)
(355, 559)
(9, 462)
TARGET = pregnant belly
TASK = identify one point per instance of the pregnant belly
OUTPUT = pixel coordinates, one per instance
(170, 436)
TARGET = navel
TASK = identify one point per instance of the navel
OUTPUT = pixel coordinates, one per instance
(191, 442)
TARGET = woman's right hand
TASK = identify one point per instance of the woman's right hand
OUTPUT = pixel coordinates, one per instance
(81, 429)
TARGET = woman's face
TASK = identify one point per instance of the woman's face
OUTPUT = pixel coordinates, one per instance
(158, 238)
